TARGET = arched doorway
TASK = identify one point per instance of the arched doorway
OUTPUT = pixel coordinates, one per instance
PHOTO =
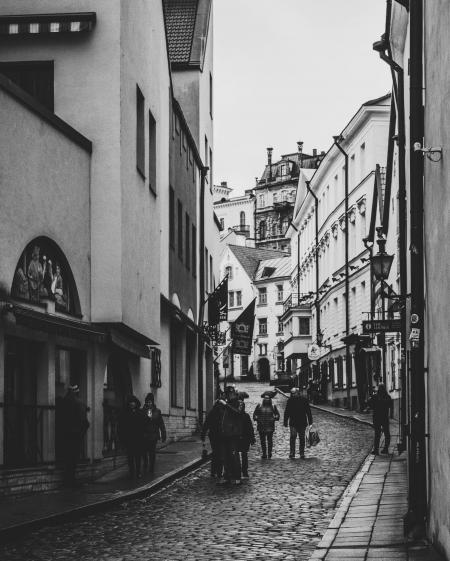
(116, 387)
(264, 370)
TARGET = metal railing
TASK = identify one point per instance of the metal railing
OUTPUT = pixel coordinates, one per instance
(295, 300)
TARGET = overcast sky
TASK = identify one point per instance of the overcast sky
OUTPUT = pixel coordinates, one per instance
(288, 70)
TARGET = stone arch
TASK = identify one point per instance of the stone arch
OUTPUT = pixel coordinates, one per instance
(44, 273)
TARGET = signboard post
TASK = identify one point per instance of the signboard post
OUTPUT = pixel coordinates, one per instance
(381, 325)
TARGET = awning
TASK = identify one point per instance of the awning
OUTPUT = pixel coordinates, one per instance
(128, 339)
(38, 24)
(58, 325)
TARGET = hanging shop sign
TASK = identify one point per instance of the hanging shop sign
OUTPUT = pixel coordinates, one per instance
(314, 351)
(381, 325)
(242, 331)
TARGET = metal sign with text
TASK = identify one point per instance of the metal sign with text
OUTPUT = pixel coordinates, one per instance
(381, 325)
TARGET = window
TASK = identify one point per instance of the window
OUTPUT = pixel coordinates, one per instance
(151, 153)
(180, 230)
(229, 272)
(238, 298)
(35, 78)
(262, 230)
(194, 251)
(210, 167)
(206, 156)
(280, 326)
(262, 349)
(222, 223)
(187, 229)
(231, 299)
(206, 270)
(171, 218)
(244, 365)
(211, 277)
(279, 293)
(304, 326)
(242, 218)
(140, 132)
(261, 201)
(262, 322)
(262, 296)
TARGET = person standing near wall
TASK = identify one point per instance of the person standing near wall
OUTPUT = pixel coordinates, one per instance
(131, 431)
(382, 406)
(74, 425)
(154, 430)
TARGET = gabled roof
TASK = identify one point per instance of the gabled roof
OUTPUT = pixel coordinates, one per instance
(281, 267)
(186, 23)
(250, 257)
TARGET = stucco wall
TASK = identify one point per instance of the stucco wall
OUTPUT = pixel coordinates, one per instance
(44, 192)
(437, 265)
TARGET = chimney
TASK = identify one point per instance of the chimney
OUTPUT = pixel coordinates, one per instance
(300, 152)
(314, 151)
(269, 161)
(223, 184)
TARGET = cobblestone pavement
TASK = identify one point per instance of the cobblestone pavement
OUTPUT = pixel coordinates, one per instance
(280, 513)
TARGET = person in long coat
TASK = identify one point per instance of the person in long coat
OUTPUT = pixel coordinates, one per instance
(72, 426)
(211, 427)
(231, 430)
(246, 440)
(382, 406)
(131, 432)
(265, 415)
(298, 415)
(154, 430)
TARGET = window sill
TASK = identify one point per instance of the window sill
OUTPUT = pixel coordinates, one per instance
(279, 334)
(232, 308)
(261, 305)
(262, 334)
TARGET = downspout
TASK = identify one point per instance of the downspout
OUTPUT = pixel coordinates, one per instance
(316, 207)
(298, 261)
(399, 91)
(417, 451)
(200, 341)
(348, 366)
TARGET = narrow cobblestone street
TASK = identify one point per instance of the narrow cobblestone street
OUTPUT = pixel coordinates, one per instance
(280, 513)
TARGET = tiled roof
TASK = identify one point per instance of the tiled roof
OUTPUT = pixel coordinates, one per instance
(180, 17)
(280, 265)
(250, 257)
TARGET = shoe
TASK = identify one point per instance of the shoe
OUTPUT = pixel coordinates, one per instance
(385, 451)
(245, 476)
(375, 452)
(237, 482)
(264, 457)
(270, 456)
(292, 456)
(223, 481)
(302, 456)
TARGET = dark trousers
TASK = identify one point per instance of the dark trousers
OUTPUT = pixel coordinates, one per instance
(149, 455)
(216, 459)
(71, 455)
(266, 439)
(381, 426)
(134, 456)
(244, 463)
(300, 432)
(230, 458)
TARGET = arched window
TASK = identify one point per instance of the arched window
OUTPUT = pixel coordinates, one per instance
(43, 273)
(242, 218)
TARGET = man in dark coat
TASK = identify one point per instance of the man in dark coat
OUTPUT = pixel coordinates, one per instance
(247, 439)
(72, 415)
(381, 404)
(231, 430)
(131, 431)
(298, 414)
(154, 430)
(211, 427)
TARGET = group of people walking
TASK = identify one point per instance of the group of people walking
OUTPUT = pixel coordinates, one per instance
(139, 431)
(231, 433)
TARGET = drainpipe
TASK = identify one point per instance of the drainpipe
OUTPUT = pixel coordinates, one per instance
(383, 47)
(348, 365)
(298, 261)
(417, 449)
(200, 342)
(316, 206)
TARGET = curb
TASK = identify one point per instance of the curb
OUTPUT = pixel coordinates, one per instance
(10, 532)
(351, 417)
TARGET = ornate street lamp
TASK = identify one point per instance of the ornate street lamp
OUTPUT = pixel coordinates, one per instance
(381, 262)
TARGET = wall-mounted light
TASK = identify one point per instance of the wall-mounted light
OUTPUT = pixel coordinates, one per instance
(434, 154)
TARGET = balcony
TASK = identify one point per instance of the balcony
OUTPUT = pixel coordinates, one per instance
(243, 229)
(295, 300)
(284, 203)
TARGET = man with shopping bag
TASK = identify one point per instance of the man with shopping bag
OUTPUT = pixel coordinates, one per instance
(298, 415)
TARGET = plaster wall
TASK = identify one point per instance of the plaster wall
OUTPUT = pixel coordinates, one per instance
(437, 265)
(45, 192)
(231, 210)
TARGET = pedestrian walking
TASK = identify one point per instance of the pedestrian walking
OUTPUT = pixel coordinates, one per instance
(298, 415)
(154, 430)
(131, 431)
(381, 405)
(246, 440)
(211, 427)
(231, 430)
(265, 415)
(72, 416)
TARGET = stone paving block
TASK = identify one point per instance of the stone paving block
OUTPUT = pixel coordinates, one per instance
(344, 554)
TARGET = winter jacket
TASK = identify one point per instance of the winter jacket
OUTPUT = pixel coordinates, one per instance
(381, 405)
(297, 412)
(131, 429)
(72, 417)
(154, 428)
(265, 416)
(248, 435)
(212, 423)
(231, 422)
